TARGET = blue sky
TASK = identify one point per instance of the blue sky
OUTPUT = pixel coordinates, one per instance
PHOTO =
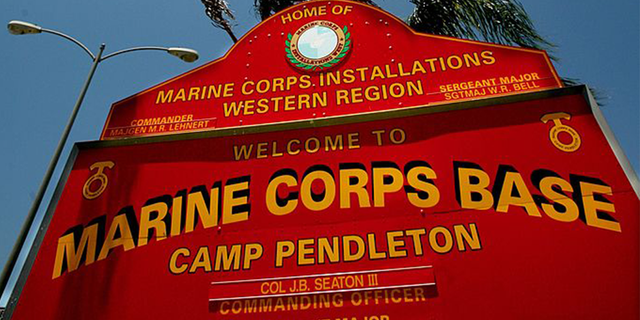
(41, 75)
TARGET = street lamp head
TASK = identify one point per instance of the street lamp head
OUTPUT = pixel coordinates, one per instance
(20, 27)
(185, 54)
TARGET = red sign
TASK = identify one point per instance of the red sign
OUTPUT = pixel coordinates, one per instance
(510, 208)
(324, 59)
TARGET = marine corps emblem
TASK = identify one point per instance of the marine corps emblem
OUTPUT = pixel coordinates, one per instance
(558, 128)
(318, 45)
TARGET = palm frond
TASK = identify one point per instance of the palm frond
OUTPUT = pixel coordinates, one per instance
(265, 8)
(597, 93)
(497, 21)
(220, 14)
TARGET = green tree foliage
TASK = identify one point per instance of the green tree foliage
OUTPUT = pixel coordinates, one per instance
(497, 21)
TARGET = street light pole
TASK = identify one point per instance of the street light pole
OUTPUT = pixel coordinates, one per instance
(18, 28)
(26, 226)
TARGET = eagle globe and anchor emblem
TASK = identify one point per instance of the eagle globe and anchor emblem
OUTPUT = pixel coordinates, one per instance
(318, 45)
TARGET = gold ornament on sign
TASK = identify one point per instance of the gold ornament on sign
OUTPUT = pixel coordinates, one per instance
(98, 177)
(558, 128)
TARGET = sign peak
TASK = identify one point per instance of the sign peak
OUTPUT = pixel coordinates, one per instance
(328, 59)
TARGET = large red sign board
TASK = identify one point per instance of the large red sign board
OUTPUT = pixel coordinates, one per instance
(368, 61)
(513, 208)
